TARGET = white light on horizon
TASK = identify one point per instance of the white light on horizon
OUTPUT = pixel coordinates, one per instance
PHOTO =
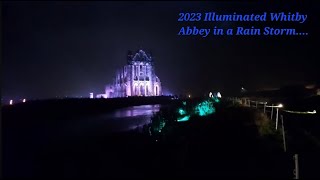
(313, 112)
(11, 101)
(24, 100)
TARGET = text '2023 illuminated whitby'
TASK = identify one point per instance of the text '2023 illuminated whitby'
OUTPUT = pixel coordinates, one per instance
(137, 78)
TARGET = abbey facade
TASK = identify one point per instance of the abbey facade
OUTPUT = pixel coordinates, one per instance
(137, 78)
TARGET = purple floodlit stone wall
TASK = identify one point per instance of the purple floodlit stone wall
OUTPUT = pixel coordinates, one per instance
(137, 78)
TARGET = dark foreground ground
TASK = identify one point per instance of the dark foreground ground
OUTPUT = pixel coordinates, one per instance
(226, 144)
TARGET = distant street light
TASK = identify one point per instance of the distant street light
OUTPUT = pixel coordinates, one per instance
(301, 112)
(189, 96)
(219, 95)
(24, 100)
(243, 90)
(313, 112)
(280, 106)
(272, 106)
(11, 101)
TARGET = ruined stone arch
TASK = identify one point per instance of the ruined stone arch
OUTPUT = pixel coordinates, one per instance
(136, 89)
(156, 90)
(147, 89)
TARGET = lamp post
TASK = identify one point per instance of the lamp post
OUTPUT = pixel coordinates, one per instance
(277, 116)
(283, 135)
(296, 166)
(271, 111)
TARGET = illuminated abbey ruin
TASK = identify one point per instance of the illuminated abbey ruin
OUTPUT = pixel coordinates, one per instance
(137, 78)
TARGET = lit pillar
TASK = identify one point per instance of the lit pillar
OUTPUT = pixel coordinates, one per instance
(156, 90)
(271, 112)
(277, 118)
(145, 89)
(132, 81)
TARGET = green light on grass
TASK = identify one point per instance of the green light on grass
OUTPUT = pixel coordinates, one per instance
(185, 118)
(158, 123)
(216, 99)
(182, 112)
(205, 108)
(162, 124)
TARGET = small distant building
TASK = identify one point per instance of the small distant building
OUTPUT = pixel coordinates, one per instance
(136, 78)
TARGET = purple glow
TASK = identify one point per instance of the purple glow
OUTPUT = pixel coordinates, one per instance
(136, 78)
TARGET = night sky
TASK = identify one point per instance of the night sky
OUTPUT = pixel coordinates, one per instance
(73, 48)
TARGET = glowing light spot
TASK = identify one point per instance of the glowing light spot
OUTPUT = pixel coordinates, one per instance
(205, 108)
(11, 102)
(185, 118)
(299, 112)
(162, 124)
(280, 106)
(182, 112)
(24, 100)
(184, 103)
(158, 124)
(243, 90)
(219, 95)
(189, 96)
(216, 99)
(210, 95)
(309, 112)
(91, 95)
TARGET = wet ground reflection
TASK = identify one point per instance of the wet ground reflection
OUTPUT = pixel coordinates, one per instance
(119, 120)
